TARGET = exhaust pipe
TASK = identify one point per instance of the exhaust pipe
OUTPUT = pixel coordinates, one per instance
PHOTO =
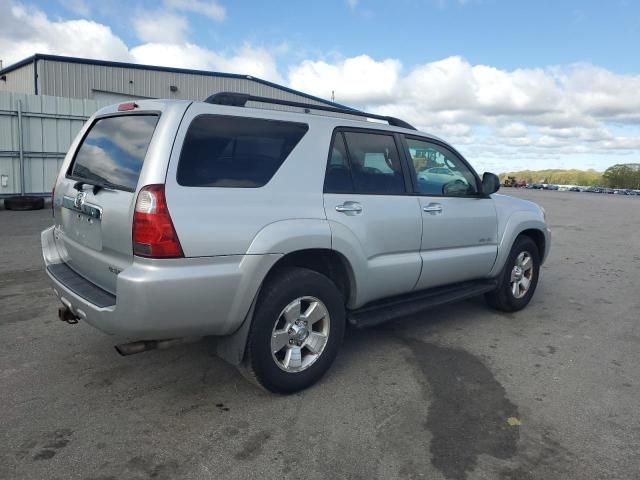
(132, 348)
(66, 315)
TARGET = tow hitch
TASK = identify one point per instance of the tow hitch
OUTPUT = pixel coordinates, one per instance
(66, 315)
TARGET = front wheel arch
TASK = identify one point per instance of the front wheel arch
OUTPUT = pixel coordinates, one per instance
(503, 298)
(538, 237)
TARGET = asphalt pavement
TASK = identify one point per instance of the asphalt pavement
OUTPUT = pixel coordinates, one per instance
(459, 392)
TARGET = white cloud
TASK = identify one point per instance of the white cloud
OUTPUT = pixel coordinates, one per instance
(538, 112)
(161, 27)
(352, 4)
(359, 79)
(209, 8)
(247, 60)
(512, 130)
(25, 31)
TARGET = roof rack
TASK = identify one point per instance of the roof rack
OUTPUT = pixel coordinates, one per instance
(240, 99)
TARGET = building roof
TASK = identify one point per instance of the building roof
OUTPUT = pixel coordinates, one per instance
(138, 66)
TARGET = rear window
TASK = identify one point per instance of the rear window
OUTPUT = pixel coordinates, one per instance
(113, 151)
(226, 151)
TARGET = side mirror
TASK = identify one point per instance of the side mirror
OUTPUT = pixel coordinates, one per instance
(490, 183)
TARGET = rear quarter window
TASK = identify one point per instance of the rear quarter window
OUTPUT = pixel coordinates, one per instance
(113, 151)
(228, 151)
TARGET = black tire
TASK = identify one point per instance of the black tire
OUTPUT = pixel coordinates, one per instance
(24, 203)
(284, 287)
(502, 298)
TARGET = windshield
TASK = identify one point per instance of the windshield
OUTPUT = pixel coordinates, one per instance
(113, 151)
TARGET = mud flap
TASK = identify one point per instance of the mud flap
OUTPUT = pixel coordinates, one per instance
(231, 348)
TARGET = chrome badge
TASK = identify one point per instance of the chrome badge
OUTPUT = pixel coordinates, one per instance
(78, 202)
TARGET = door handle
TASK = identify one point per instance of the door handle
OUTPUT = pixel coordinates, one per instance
(433, 208)
(349, 207)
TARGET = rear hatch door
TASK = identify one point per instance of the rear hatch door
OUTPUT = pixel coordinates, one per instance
(95, 195)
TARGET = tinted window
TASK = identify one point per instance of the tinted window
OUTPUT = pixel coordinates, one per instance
(223, 151)
(338, 176)
(375, 163)
(113, 151)
(439, 171)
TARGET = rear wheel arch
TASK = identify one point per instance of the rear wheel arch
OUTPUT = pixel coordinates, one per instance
(327, 262)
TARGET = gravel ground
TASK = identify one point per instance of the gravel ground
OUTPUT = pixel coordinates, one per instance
(458, 392)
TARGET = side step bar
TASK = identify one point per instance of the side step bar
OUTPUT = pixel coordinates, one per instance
(382, 311)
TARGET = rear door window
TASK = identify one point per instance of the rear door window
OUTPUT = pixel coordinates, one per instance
(375, 163)
(227, 151)
(113, 151)
(338, 176)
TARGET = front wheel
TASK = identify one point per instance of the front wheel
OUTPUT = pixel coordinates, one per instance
(297, 328)
(519, 278)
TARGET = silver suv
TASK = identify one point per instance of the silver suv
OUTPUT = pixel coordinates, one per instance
(274, 229)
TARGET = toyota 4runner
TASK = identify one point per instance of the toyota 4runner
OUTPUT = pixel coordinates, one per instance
(274, 229)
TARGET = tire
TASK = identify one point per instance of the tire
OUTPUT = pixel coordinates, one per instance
(504, 298)
(285, 371)
(24, 203)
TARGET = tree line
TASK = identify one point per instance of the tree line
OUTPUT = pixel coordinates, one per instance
(616, 176)
(623, 176)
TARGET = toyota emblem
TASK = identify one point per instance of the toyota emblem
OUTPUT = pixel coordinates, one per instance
(79, 200)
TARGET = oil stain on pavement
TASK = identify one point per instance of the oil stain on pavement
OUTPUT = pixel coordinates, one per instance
(469, 411)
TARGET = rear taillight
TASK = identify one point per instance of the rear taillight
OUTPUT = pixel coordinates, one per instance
(153, 232)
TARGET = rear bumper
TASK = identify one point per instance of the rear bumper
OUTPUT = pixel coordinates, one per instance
(164, 298)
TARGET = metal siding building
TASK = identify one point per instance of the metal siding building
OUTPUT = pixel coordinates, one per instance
(20, 80)
(114, 81)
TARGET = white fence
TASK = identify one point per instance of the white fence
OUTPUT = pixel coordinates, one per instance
(35, 134)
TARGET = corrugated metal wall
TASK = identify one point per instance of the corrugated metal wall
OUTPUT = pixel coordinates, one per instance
(19, 80)
(77, 80)
(49, 125)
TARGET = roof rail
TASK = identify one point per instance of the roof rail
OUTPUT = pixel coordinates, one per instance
(240, 99)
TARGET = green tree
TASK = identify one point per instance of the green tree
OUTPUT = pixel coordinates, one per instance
(623, 176)
(560, 177)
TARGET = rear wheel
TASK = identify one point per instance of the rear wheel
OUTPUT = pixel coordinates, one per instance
(298, 325)
(517, 282)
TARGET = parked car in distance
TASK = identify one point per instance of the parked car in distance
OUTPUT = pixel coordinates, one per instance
(272, 230)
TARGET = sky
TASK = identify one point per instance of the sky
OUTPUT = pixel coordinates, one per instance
(513, 84)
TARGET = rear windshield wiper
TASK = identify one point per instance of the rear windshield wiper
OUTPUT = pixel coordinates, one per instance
(96, 186)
